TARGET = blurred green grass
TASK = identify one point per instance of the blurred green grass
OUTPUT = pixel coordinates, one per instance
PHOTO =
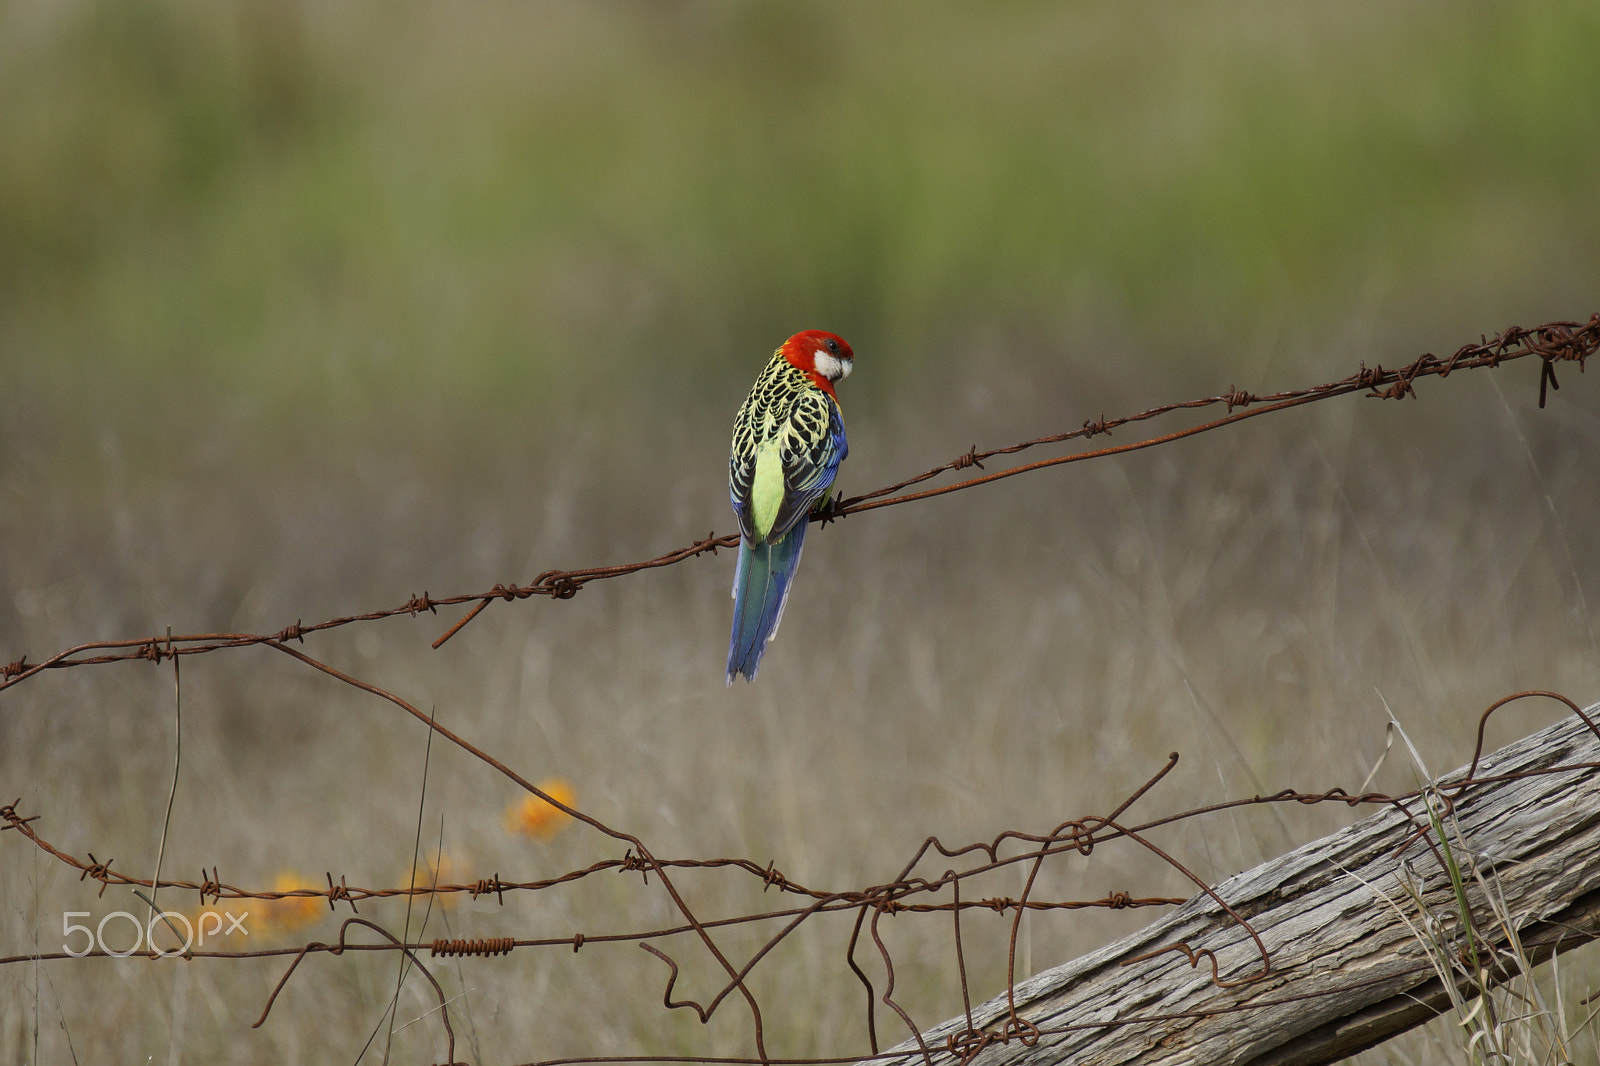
(307, 308)
(318, 215)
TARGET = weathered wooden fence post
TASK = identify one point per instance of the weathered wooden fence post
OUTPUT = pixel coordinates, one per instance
(1346, 972)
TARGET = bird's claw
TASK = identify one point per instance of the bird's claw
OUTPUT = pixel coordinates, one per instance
(829, 509)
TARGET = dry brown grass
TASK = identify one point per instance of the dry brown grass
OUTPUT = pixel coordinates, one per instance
(1007, 658)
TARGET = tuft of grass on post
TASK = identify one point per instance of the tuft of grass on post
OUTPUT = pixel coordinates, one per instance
(1502, 1014)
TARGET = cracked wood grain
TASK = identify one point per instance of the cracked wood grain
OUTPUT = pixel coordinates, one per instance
(1346, 971)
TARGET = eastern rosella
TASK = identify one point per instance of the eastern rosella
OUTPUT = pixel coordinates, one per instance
(788, 442)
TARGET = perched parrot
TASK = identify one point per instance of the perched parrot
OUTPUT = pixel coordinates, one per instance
(788, 442)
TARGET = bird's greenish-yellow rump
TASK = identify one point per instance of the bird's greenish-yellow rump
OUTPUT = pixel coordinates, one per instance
(788, 442)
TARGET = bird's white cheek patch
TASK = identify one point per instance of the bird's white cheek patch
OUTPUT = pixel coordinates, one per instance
(831, 366)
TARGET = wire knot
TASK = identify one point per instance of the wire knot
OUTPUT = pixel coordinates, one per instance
(487, 885)
(1026, 1032)
(633, 862)
(1238, 398)
(340, 891)
(15, 820)
(288, 633)
(969, 458)
(100, 871)
(558, 584)
(1077, 834)
(13, 669)
(966, 1044)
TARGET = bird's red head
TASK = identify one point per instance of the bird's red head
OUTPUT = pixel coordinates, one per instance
(824, 357)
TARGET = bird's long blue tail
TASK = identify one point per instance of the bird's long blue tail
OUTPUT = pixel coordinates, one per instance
(760, 588)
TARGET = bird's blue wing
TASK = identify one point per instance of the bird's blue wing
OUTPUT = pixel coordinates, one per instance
(811, 458)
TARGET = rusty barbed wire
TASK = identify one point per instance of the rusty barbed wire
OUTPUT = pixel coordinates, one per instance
(1077, 837)
(909, 892)
(1553, 342)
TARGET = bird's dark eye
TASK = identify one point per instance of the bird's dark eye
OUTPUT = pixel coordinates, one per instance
(833, 346)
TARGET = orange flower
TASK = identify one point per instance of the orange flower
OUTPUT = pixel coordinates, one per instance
(533, 817)
(290, 912)
(447, 872)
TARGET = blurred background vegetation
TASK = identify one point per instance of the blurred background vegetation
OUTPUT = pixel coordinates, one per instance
(305, 308)
(280, 220)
